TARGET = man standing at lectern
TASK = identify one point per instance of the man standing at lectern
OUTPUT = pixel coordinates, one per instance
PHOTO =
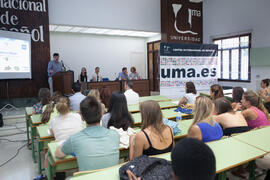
(54, 66)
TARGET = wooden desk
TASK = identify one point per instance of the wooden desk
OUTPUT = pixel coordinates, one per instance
(139, 86)
(258, 138)
(163, 105)
(154, 98)
(229, 153)
(111, 85)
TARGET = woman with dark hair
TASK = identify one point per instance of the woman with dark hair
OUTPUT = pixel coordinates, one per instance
(216, 91)
(83, 76)
(155, 137)
(190, 96)
(118, 118)
(255, 113)
(231, 121)
(44, 96)
(237, 94)
(265, 92)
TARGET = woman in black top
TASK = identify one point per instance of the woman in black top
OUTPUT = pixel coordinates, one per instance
(83, 76)
(155, 137)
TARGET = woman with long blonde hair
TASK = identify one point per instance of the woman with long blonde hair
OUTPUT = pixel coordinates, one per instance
(96, 94)
(204, 127)
(155, 137)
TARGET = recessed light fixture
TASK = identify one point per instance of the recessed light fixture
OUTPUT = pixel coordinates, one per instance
(103, 31)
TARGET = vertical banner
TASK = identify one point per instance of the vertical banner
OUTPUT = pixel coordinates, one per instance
(181, 21)
(181, 63)
(31, 17)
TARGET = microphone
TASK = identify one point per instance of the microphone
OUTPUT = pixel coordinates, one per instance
(65, 67)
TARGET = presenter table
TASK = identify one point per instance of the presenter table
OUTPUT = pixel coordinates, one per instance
(111, 85)
(229, 153)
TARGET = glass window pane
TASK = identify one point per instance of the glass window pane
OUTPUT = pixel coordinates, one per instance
(218, 42)
(219, 65)
(226, 66)
(244, 41)
(244, 64)
(235, 63)
(230, 43)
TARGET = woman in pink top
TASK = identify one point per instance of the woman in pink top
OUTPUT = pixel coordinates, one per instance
(255, 113)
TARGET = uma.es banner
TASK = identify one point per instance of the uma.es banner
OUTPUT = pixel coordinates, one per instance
(181, 63)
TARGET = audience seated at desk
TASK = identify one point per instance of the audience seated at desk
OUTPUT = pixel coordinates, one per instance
(190, 96)
(231, 121)
(83, 76)
(123, 75)
(118, 118)
(66, 123)
(155, 137)
(44, 97)
(95, 147)
(77, 97)
(133, 75)
(254, 111)
(49, 110)
(204, 127)
(216, 91)
(131, 96)
(96, 77)
(95, 93)
(193, 160)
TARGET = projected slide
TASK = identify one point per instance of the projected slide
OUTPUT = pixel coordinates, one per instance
(15, 57)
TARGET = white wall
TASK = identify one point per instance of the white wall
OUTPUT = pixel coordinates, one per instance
(119, 14)
(221, 17)
(110, 53)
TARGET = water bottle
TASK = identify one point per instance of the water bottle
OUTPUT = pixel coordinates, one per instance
(178, 117)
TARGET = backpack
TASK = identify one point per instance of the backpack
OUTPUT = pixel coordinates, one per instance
(146, 168)
(1, 120)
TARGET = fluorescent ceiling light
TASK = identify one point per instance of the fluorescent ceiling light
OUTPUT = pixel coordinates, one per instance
(101, 31)
(63, 28)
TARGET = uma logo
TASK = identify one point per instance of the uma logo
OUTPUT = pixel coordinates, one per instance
(191, 13)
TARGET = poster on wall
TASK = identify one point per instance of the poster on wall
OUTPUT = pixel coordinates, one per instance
(181, 63)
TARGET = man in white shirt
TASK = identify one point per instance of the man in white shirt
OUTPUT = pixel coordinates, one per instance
(96, 77)
(131, 96)
(77, 97)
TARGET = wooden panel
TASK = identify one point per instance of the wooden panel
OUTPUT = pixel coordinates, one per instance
(181, 21)
(33, 20)
(111, 85)
(139, 86)
(150, 71)
(150, 47)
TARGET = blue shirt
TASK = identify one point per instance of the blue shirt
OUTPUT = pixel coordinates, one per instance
(95, 147)
(55, 66)
(210, 133)
(121, 76)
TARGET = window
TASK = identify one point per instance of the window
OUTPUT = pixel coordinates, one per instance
(233, 58)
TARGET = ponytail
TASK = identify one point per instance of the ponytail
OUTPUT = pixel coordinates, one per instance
(47, 113)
